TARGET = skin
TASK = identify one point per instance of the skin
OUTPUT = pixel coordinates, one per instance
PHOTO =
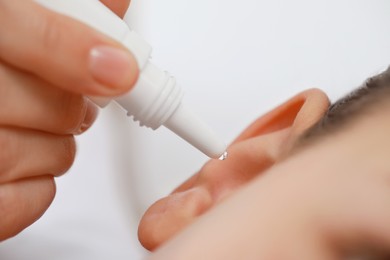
(257, 149)
(327, 200)
(44, 75)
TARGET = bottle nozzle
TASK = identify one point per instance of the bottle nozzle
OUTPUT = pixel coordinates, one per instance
(189, 127)
(156, 98)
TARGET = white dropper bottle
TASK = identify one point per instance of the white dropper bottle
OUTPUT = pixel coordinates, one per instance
(156, 98)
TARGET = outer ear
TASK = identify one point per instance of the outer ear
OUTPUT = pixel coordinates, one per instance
(254, 151)
(298, 113)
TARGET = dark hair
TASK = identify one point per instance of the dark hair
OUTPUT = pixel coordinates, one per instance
(374, 91)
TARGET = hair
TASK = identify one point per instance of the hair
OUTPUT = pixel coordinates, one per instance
(373, 92)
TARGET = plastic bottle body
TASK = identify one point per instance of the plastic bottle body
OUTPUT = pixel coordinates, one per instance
(155, 100)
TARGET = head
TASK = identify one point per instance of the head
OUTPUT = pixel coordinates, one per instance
(370, 96)
(286, 130)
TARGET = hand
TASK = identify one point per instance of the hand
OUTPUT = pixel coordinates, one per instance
(48, 62)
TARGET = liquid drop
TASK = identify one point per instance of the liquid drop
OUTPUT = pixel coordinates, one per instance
(224, 156)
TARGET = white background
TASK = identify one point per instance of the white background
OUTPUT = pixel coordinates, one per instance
(235, 60)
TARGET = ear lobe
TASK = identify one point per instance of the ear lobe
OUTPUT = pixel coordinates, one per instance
(169, 215)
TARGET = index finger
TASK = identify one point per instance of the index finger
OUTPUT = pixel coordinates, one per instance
(63, 51)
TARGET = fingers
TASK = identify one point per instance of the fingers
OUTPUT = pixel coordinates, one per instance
(27, 153)
(63, 51)
(119, 7)
(29, 102)
(23, 202)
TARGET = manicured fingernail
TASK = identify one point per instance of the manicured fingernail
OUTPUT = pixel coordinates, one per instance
(114, 68)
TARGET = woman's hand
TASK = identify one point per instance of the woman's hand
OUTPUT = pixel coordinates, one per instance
(48, 62)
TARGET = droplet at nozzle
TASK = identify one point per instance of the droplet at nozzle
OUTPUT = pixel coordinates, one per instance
(224, 156)
(156, 98)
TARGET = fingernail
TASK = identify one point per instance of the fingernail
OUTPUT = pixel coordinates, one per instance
(112, 67)
(90, 117)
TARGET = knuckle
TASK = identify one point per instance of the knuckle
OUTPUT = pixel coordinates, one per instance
(50, 31)
(7, 153)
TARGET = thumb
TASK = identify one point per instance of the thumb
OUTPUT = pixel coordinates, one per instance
(63, 51)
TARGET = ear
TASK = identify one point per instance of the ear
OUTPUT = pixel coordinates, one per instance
(259, 147)
(298, 114)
